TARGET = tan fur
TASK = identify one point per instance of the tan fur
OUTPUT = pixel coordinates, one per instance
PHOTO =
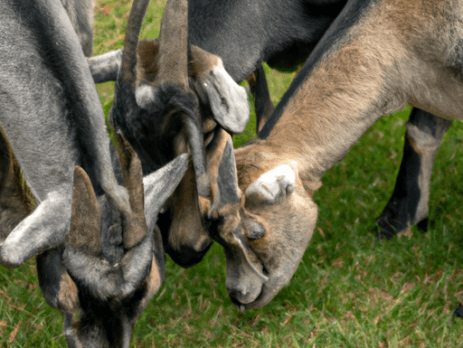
(202, 62)
(153, 283)
(68, 299)
(147, 63)
(398, 52)
(373, 71)
(186, 227)
(214, 157)
(251, 79)
(16, 201)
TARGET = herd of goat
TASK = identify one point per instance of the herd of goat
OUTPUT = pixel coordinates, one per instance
(105, 215)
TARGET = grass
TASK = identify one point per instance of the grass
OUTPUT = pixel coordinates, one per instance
(349, 290)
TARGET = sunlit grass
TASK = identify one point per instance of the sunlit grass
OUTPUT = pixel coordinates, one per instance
(349, 291)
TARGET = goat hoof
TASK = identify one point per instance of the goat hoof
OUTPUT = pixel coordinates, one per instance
(423, 225)
(458, 313)
(386, 228)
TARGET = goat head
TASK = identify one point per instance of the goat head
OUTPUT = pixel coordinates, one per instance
(172, 98)
(110, 265)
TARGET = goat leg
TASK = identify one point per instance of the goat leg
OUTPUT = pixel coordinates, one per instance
(409, 202)
(262, 102)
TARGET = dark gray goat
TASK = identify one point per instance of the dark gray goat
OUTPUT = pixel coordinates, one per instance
(244, 33)
(168, 94)
(97, 253)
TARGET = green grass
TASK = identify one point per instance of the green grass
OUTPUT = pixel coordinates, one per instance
(349, 290)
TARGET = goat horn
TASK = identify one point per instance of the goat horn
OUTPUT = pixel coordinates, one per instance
(129, 55)
(173, 44)
(195, 138)
(135, 224)
(85, 220)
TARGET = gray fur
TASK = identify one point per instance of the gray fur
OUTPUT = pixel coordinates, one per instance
(103, 279)
(228, 101)
(160, 185)
(35, 106)
(106, 66)
(80, 14)
(51, 115)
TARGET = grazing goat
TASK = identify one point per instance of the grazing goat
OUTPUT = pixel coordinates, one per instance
(376, 57)
(52, 121)
(245, 33)
(168, 94)
(103, 272)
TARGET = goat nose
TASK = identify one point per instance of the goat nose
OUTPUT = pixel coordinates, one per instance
(237, 293)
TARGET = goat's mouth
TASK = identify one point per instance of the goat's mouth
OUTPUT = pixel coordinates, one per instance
(268, 290)
(267, 293)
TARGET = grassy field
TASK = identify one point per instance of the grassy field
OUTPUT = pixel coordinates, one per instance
(349, 291)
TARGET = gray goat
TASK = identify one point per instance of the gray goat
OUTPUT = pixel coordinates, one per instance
(99, 252)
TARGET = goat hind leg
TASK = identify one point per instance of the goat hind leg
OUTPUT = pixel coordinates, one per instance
(409, 202)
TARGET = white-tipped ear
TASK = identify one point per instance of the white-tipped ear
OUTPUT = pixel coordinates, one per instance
(229, 101)
(272, 185)
(158, 187)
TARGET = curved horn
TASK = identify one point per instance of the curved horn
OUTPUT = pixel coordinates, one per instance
(173, 69)
(129, 55)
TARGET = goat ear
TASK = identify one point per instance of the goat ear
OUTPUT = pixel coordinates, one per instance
(135, 224)
(160, 185)
(228, 100)
(271, 186)
(85, 220)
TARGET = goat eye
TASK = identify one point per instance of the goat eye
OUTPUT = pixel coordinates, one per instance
(257, 231)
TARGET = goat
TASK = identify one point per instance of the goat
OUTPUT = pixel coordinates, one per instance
(168, 94)
(375, 58)
(52, 121)
(243, 34)
(94, 274)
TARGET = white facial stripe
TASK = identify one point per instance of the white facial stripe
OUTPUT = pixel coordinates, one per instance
(273, 184)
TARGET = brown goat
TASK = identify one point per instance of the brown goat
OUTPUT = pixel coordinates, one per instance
(377, 56)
